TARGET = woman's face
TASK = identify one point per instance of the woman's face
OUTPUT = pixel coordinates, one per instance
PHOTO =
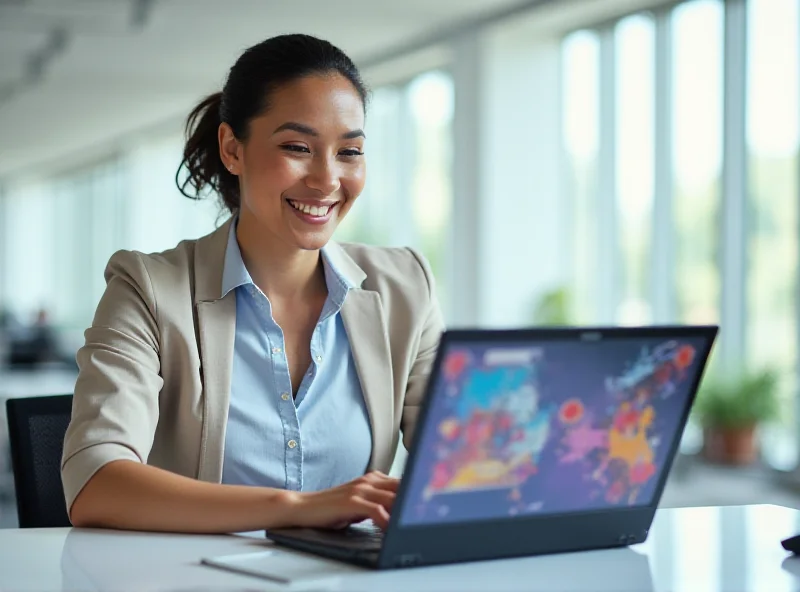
(302, 166)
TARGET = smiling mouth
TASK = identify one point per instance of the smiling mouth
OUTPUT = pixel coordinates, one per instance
(317, 211)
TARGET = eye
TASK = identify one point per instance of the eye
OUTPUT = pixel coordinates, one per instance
(351, 152)
(295, 148)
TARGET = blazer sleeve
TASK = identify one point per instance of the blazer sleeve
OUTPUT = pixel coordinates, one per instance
(115, 404)
(432, 328)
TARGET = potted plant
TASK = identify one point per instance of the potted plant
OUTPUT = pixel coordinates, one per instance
(729, 411)
(552, 308)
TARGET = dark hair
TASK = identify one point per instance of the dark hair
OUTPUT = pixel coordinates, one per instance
(256, 74)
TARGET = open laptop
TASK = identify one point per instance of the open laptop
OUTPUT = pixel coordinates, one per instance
(531, 442)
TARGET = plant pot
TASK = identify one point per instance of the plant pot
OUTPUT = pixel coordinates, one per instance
(730, 446)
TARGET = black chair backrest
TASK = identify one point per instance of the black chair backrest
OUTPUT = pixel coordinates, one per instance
(36, 429)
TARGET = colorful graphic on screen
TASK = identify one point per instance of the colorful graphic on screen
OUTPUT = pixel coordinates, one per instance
(560, 427)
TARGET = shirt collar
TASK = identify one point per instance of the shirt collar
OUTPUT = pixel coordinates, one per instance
(337, 282)
(235, 274)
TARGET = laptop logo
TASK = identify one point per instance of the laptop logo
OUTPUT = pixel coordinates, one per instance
(591, 336)
(499, 356)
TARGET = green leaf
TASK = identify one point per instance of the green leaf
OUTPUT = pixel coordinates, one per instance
(744, 400)
(552, 308)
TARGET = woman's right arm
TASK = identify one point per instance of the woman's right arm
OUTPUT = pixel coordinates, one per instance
(107, 482)
(131, 496)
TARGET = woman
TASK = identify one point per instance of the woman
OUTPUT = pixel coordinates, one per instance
(260, 376)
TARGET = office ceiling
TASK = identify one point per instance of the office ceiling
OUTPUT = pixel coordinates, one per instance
(76, 73)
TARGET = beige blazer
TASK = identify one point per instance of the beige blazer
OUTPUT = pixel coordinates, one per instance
(155, 370)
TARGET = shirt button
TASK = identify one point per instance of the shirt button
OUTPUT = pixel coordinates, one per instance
(291, 444)
(276, 350)
(285, 396)
(319, 358)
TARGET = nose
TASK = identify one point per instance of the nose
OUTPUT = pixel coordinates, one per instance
(323, 176)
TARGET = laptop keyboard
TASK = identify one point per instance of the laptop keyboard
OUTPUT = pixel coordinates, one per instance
(355, 538)
(370, 534)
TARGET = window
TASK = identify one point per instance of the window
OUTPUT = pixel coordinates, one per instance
(89, 209)
(159, 215)
(29, 246)
(83, 217)
(773, 97)
(697, 45)
(581, 120)
(431, 102)
(367, 221)
(635, 131)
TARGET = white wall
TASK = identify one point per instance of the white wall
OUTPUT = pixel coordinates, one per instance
(522, 203)
(511, 235)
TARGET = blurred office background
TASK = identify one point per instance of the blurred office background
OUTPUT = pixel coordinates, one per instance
(558, 161)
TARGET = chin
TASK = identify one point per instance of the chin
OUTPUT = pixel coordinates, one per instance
(312, 243)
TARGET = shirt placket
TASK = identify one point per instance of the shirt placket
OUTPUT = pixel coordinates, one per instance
(293, 449)
(317, 355)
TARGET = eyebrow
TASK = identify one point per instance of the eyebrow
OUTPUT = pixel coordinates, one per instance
(310, 131)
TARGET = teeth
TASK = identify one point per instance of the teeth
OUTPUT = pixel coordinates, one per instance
(311, 210)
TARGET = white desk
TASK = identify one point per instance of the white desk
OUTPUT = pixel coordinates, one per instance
(709, 549)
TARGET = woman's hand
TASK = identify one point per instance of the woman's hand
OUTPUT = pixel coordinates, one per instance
(368, 497)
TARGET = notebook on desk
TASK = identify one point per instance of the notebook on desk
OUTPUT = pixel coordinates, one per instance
(287, 569)
(531, 442)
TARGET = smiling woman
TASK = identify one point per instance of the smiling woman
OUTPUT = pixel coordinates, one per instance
(259, 376)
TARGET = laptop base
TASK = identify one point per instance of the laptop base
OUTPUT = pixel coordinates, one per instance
(350, 545)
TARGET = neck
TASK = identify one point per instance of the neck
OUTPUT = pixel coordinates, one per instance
(279, 270)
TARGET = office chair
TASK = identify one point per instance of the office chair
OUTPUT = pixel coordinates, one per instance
(36, 429)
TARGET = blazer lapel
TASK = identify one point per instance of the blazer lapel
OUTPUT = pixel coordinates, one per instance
(216, 321)
(363, 320)
(216, 324)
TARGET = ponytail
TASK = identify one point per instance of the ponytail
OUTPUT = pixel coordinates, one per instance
(205, 170)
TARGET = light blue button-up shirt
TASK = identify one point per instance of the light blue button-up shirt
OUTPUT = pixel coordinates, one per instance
(318, 440)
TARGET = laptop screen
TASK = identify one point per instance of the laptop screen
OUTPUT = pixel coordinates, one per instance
(555, 427)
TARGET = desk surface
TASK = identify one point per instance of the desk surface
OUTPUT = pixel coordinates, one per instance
(713, 549)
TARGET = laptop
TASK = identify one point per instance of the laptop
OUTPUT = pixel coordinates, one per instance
(533, 441)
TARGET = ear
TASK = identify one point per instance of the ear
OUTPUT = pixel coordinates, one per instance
(229, 148)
